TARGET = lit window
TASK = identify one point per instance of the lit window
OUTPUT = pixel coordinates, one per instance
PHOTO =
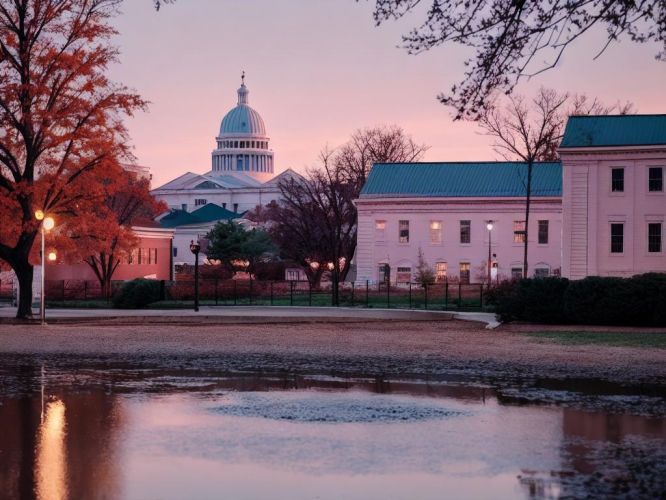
(543, 232)
(403, 231)
(464, 273)
(440, 271)
(617, 238)
(617, 180)
(292, 275)
(519, 231)
(404, 275)
(435, 231)
(654, 237)
(380, 230)
(655, 179)
(465, 231)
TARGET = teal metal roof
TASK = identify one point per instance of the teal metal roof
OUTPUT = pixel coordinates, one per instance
(469, 179)
(242, 120)
(211, 212)
(207, 213)
(614, 130)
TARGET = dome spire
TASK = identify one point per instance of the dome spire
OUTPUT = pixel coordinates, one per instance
(243, 91)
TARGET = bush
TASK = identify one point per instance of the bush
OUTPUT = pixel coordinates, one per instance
(636, 301)
(537, 300)
(136, 294)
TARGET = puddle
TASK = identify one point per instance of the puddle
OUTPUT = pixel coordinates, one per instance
(95, 434)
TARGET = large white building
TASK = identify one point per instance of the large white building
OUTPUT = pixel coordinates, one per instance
(242, 173)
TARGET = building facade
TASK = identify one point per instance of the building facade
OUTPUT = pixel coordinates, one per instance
(600, 211)
(444, 211)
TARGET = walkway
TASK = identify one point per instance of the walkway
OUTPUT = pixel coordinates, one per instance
(251, 314)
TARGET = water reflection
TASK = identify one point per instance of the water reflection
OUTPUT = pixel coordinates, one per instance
(176, 437)
(59, 445)
(51, 463)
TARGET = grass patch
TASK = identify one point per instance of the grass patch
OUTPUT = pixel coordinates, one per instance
(624, 339)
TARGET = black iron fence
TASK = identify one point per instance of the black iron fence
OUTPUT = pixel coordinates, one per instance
(436, 296)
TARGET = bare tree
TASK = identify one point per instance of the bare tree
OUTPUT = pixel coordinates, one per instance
(518, 39)
(531, 130)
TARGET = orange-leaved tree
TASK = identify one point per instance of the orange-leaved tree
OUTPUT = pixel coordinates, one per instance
(60, 119)
(103, 236)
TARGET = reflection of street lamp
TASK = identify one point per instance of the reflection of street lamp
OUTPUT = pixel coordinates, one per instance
(46, 224)
(195, 248)
(489, 226)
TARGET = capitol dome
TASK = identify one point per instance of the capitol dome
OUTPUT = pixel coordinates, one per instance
(242, 119)
(242, 145)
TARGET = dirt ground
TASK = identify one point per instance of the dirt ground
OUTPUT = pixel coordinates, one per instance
(393, 348)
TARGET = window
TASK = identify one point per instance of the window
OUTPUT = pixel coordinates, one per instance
(404, 275)
(224, 205)
(655, 179)
(541, 272)
(183, 207)
(617, 238)
(292, 274)
(380, 230)
(236, 207)
(175, 251)
(152, 256)
(617, 180)
(654, 237)
(199, 202)
(384, 273)
(519, 231)
(435, 231)
(440, 271)
(403, 231)
(465, 231)
(239, 163)
(543, 232)
(464, 273)
(516, 273)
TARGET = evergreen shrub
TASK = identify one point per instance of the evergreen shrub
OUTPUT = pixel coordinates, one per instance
(136, 294)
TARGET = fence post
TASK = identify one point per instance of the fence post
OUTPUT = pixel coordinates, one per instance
(85, 290)
(352, 301)
(481, 296)
(310, 293)
(63, 288)
(388, 295)
(410, 294)
(446, 294)
(250, 289)
(426, 295)
(367, 289)
(459, 294)
(272, 282)
(235, 292)
(217, 295)
(291, 293)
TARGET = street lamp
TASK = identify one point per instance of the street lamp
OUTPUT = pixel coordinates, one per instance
(46, 224)
(195, 248)
(489, 226)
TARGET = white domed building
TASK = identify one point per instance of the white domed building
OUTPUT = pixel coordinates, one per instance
(242, 176)
(242, 173)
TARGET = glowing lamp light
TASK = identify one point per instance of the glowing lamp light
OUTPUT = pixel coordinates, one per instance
(330, 266)
(489, 226)
(49, 223)
(52, 256)
(39, 215)
(314, 265)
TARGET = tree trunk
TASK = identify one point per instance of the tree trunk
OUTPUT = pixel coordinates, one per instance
(528, 201)
(24, 274)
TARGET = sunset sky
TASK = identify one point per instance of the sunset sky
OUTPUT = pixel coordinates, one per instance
(317, 70)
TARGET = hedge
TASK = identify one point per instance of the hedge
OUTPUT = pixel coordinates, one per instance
(636, 301)
(136, 294)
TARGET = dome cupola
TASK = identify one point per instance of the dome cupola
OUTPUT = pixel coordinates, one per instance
(242, 119)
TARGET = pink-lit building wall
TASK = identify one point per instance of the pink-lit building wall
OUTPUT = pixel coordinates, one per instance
(435, 229)
(592, 205)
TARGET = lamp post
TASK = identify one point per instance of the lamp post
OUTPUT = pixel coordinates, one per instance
(46, 224)
(195, 248)
(489, 226)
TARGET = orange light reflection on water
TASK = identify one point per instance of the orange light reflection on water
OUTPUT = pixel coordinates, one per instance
(51, 461)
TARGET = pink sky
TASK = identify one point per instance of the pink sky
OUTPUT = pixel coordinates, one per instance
(317, 70)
